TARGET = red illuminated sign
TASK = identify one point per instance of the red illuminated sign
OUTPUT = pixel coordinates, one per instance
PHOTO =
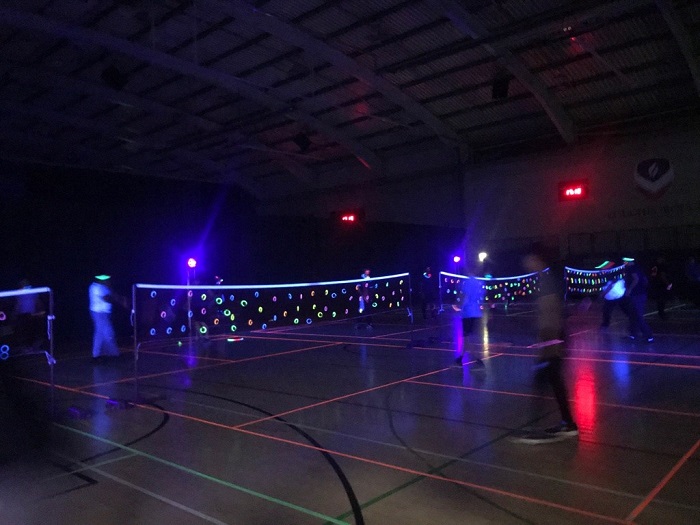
(573, 190)
(350, 217)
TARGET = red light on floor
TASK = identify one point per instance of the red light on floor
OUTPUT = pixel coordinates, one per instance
(573, 190)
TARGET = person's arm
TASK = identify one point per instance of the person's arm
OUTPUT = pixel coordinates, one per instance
(113, 298)
(665, 280)
(633, 283)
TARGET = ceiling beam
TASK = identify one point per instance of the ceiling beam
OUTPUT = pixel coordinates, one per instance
(293, 35)
(112, 133)
(267, 97)
(469, 26)
(544, 26)
(52, 80)
(683, 38)
(20, 143)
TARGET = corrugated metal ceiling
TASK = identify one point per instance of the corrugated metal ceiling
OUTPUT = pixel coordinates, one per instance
(249, 93)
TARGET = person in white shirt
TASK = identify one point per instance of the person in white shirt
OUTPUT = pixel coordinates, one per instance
(612, 292)
(104, 342)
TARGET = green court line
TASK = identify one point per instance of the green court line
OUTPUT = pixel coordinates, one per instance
(225, 483)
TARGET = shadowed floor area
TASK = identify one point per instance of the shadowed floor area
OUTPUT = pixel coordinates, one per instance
(338, 423)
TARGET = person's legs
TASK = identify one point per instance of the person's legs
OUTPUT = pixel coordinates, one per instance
(555, 378)
(627, 304)
(608, 307)
(661, 305)
(97, 334)
(639, 302)
(475, 356)
(467, 328)
(110, 337)
(104, 340)
(549, 373)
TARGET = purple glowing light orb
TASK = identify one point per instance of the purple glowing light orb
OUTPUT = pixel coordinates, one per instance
(192, 262)
(456, 258)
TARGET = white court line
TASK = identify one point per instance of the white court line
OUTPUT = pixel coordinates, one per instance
(147, 492)
(526, 312)
(76, 471)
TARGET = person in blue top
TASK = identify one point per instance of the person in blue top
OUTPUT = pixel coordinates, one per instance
(472, 299)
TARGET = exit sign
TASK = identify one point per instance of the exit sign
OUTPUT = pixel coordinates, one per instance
(573, 190)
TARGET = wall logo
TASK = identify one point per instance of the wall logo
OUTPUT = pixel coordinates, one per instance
(654, 176)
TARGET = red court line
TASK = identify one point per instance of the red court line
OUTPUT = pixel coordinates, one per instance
(521, 497)
(436, 477)
(596, 360)
(324, 338)
(198, 357)
(652, 354)
(521, 394)
(75, 390)
(595, 351)
(197, 368)
(327, 401)
(486, 390)
(646, 501)
(389, 335)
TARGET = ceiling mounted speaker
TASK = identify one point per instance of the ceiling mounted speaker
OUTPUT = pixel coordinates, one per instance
(302, 141)
(499, 89)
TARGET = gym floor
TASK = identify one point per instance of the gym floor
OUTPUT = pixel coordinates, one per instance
(340, 424)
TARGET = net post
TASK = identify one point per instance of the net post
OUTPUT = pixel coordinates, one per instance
(410, 310)
(136, 344)
(50, 357)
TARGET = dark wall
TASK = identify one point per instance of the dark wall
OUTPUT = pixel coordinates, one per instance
(60, 228)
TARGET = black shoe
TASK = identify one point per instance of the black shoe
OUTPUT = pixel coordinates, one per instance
(478, 366)
(563, 429)
(549, 435)
(458, 361)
